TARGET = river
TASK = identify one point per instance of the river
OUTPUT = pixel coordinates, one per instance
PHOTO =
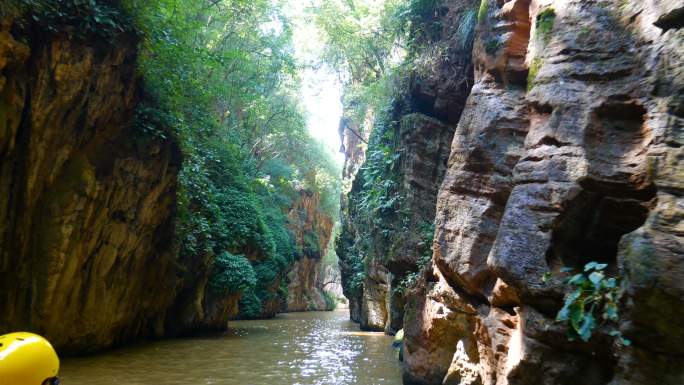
(315, 348)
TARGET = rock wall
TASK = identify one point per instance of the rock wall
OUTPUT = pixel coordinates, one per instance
(426, 118)
(195, 307)
(86, 203)
(354, 145)
(88, 199)
(330, 279)
(569, 150)
(304, 292)
(312, 230)
(198, 308)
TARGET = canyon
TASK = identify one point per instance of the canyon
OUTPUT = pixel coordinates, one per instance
(564, 147)
(89, 203)
(512, 209)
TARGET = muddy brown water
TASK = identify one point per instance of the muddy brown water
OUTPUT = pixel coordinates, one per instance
(316, 348)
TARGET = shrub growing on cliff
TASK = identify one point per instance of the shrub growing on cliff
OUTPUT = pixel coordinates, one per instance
(231, 274)
(250, 305)
(226, 86)
(594, 299)
(417, 19)
(482, 11)
(311, 245)
(408, 282)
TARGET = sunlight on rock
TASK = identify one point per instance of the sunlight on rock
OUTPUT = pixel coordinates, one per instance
(515, 349)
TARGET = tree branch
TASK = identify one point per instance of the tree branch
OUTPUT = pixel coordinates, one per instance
(355, 133)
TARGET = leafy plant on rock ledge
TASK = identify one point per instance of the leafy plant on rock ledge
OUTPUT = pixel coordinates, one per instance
(592, 302)
(231, 274)
(408, 282)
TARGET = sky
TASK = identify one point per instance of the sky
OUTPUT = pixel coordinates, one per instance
(321, 89)
(321, 97)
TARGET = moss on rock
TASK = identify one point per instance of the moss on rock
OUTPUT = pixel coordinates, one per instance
(532, 74)
(545, 20)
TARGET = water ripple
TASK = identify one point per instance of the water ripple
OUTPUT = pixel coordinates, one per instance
(321, 348)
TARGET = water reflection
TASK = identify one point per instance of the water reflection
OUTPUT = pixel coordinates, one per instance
(321, 348)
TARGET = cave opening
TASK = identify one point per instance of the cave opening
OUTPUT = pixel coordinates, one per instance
(593, 222)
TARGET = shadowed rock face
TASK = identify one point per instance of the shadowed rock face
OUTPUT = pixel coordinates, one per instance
(568, 151)
(354, 144)
(86, 204)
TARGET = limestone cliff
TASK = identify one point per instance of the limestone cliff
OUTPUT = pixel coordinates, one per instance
(86, 202)
(569, 150)
(299, 287)
(387, 239)
(312, 230)
(354, 144)
(88, 195)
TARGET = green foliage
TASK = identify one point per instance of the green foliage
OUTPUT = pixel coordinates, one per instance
(482, 11)
(417, 19)
(408, 282)
(359, 36)
(226, 87)
(250, 305)
(311, 244)
(241, 222)
(357, 270)
(330, 301)
(151, 121)
(532, 73)
(377, 199)
(285, 247)
(594, 299)
(82, 17)
(466, 29)
(231, 274)
(544, 26)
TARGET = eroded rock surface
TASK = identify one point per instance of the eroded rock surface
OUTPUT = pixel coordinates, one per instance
(312, 230)
(354, 145)
(568, 151)
(421, 128)
(86, 203)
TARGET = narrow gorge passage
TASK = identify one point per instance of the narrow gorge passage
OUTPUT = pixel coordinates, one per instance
(313, 348)
(191, 190)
